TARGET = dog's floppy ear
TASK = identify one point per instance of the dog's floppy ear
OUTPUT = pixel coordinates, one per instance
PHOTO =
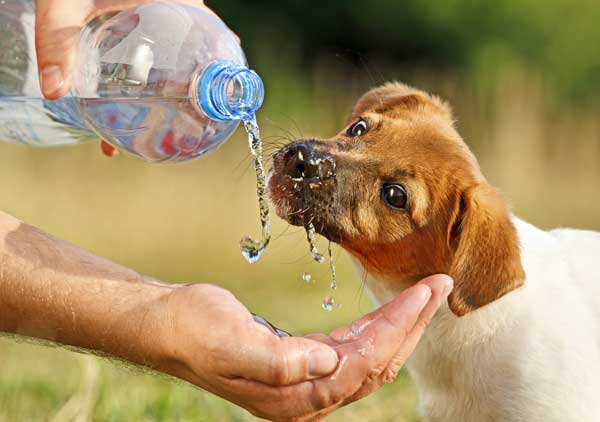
(487, 260)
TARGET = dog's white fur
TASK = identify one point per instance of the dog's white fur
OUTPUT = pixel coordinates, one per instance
(530, 356)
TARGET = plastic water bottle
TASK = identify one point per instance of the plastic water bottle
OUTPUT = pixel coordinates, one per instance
(163, 81)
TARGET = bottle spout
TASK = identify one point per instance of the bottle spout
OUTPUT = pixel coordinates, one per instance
(228, 91)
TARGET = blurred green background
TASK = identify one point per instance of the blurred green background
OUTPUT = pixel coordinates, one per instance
(523, 77)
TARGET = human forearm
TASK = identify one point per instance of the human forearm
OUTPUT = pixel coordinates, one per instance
(201, 333)
(52, 290)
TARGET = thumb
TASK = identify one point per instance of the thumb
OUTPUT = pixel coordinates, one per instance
(441, 286)
(57, 27)
(281, 361)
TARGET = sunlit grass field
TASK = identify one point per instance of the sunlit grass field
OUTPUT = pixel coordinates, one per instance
(182, 223)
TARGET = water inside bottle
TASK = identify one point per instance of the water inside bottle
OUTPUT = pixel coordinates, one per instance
(252, 249)
(36, 121)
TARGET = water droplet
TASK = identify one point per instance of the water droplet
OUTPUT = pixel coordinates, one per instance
(252, 250)
(328, 303)
(306, 277)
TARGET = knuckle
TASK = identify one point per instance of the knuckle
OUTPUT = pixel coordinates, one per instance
(326, 395)
(398, 361)
(336, 396)
(321, 399)
(389, 375)
(375, 372)
(197, 294)
(279, 367)
(422, 323)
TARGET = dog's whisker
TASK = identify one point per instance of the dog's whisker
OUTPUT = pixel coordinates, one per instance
(363, 285)
(293, 123)
(286, 131)
(301, 211)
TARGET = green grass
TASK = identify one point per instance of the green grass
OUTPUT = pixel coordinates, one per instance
(41, 383)
(183, 223)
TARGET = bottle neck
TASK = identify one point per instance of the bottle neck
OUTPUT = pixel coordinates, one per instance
(228, 91)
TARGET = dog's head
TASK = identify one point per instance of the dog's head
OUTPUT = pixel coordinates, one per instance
(401, 191)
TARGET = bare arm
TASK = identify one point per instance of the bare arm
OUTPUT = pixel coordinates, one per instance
(52, 290)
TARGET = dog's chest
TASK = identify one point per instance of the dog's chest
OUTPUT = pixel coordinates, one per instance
(466, 378)
(533, 355)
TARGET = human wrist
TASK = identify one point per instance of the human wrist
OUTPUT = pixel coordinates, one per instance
(195, 325)
(171, 339)
(156, 330)
(132, 326)
(52, 290)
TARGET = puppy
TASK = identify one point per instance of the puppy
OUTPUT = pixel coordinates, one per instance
(399, 190)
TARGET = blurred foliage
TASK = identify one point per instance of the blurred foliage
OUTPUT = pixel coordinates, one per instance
(557, 38)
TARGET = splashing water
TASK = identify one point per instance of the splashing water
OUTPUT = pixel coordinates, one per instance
(332, 267)
(328, 303)
(312, 241)
(252, 250)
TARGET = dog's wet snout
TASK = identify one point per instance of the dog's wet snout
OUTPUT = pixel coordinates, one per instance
(303, 161)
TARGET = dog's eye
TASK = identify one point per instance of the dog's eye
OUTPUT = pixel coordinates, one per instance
(395, 196)
(358, 129)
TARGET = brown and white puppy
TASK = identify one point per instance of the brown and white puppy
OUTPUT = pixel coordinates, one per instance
(402, 193)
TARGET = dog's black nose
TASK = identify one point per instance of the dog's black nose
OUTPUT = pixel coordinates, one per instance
(303, 161)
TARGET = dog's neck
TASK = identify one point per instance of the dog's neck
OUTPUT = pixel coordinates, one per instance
(396, 266)
(412, 263)
(446, 331)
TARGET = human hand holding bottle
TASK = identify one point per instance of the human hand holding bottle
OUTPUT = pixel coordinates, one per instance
(58, 24)
(62, 53)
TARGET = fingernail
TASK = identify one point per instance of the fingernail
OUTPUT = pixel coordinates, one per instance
(322, 361)
(108, 149)
(448, 286)
(52, 79)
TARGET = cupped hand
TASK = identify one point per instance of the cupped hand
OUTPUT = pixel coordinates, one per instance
(213, 341)
(57, 27)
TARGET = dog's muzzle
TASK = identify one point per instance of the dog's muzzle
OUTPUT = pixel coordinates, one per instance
(303, 162)
(303, 184)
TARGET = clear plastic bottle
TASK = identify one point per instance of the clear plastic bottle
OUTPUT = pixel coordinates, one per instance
(163, 81)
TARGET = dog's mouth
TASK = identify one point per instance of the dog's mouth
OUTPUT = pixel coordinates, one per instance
(302, 186)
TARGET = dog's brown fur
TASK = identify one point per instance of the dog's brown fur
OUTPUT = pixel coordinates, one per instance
(455, 223)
